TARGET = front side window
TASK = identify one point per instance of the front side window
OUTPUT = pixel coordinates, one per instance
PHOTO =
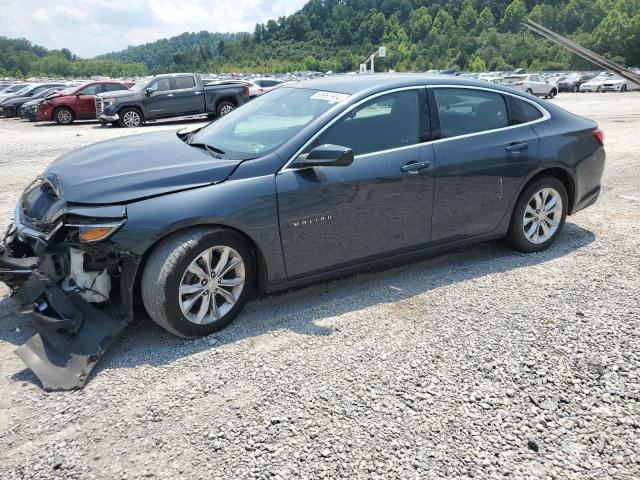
(465, 111)
(183, 83)
(386, 122)
(90, 90)
(113, 87)
(161, 85)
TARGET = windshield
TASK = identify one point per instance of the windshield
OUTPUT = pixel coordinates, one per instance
(141, 85)
(263, 124)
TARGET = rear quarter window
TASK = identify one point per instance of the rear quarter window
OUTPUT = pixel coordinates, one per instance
(185, 82)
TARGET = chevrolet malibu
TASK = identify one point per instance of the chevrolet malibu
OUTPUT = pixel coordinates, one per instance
(306, 182)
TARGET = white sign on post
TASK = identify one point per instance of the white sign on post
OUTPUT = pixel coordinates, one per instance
(382, 52)
(363, 68)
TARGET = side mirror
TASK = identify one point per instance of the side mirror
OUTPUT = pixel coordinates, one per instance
(149, 92)
(325, 156)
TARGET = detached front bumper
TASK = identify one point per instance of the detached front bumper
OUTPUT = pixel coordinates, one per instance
(108, 118)
(72, 333)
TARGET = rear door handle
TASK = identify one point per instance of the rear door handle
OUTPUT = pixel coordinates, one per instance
(516, 147)
(170, 95)
(414, 167)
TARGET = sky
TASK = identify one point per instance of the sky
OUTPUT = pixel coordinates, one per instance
(92, 27)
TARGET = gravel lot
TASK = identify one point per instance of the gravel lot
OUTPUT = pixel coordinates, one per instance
(478, 363)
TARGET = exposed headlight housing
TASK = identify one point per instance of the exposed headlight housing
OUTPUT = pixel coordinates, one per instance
(96, 232)
(108, 102)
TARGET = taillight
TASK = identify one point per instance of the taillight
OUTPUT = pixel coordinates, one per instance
(247, 91)
(519, 83)
(599, 136)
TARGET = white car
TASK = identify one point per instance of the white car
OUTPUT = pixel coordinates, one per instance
(618, 84)
(595, 84)
(532, 84)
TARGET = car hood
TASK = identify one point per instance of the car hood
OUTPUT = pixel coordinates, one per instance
(135, 167)
(14, 100)
(117, 94)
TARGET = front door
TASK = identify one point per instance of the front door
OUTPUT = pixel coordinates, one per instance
(160, 102)
(480, 161)
(85, 104)
(381, 204)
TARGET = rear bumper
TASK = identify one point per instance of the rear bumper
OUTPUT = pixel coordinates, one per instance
(73, 334)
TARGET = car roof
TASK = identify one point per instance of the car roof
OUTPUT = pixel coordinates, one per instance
(379, 82)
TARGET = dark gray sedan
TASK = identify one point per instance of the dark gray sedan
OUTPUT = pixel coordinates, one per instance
(306, 182)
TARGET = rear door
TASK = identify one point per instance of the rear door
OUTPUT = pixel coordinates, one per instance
(381, 204)
(188, 96)
(484, 152)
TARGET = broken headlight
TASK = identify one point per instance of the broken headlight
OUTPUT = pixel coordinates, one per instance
(95, 224)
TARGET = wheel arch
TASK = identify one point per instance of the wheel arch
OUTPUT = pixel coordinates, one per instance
(133, 105)
(261, 274)
(562, 174)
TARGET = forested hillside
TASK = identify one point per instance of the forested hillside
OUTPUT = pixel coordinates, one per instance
(419, 34)
(338, 35)
(20, 58)
(188, 48)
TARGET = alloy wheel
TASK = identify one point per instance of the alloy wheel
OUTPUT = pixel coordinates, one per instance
(64, 116)
(225, 109)
(542, 215)
(131, 119)
(211, 285)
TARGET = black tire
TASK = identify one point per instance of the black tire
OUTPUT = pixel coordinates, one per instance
(598, 89)
(575, 89)
(516, 237)
(529, 91)
(224, 108)
(166, 267)
(63, 116)
(128, 113)
(624, 88)
(554, 92)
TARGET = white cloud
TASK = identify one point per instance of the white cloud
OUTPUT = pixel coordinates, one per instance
(89, 28)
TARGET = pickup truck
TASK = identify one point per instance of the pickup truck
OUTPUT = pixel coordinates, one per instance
(167, 96)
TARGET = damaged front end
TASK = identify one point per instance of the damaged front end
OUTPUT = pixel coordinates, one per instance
(73, 282)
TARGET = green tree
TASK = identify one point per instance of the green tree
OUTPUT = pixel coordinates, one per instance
(443, 24)
(514, 16)
(419, 24)
(467, 19)
(477, 64)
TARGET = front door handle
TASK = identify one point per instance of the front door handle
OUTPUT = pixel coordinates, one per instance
(414, 167)
(516, 147)
(170, 95)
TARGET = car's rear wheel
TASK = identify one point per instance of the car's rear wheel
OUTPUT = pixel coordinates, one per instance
(130, 118)
(529, 91)
(575, 88)
(63, 116)
(624, 88)
(197, 281)
(224, 108)
(539, 215)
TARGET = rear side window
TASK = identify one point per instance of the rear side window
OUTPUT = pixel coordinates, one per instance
(522, 111)
(386, 122)
(530, 112)
(185, 82)
(465, 111)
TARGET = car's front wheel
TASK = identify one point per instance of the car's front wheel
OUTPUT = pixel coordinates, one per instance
(539, 215)
(63, 116)
(130, 118)
(197, 281)
(225, 108)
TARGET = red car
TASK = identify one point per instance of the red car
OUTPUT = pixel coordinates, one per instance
(78, 104)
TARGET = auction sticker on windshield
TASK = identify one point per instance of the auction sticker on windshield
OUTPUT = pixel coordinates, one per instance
(331, 97)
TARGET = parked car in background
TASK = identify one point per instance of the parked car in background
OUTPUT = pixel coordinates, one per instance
(13, 89)
(307, 182)
(573, 81)
(168, 96)
(29, 108)
(595, 84)
(9, 105)
(532, 84)
(618, 84)
(268, 84)
(78, 104)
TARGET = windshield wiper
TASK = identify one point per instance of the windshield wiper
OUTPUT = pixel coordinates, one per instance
(213, 151)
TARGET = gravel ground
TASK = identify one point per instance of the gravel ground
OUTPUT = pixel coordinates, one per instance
(478, 363)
